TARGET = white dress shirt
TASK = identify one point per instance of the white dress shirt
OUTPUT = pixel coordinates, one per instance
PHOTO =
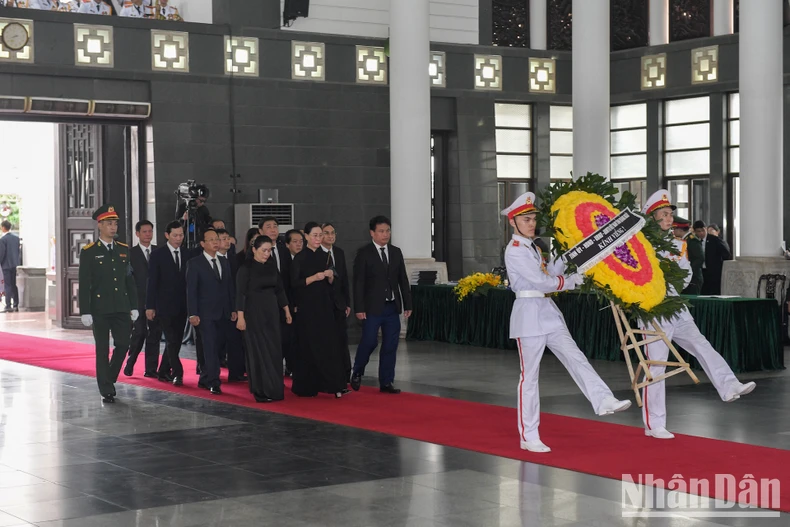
(215, 257)
(173, 255)
(146, 251)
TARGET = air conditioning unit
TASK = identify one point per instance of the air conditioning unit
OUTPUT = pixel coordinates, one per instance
(49, 106)
(249, 214)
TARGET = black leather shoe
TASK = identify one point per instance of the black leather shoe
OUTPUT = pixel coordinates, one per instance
(204, 386)
(178, 381)
(356, 382)
(263, 400)
(215, 390)
(109, 398)
(150, 375)
(238, 378)
(165, 378)
(389, 388)
(288, 373)
(128, 370)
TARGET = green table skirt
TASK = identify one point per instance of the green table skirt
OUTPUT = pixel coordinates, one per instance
(746, 331)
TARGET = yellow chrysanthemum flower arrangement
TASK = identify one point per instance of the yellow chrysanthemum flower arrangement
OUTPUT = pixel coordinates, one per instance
(477, 283)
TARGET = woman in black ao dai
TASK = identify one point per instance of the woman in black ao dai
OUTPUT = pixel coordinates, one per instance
(259, 297)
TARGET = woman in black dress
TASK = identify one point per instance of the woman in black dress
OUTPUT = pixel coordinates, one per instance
(259, 297)
(319, 355)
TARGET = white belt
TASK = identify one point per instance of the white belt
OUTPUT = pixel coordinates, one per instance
(530, 294)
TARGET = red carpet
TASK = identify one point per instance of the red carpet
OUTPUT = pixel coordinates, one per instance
(581, 445)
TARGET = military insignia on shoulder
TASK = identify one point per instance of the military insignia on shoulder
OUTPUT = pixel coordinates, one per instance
(516, 243)
(91, 244)
(121, 243)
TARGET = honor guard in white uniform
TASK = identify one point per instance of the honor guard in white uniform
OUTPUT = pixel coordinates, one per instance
(536, 322)
(681, 329)
(44, 5)
(68, 6)
(167, 12)
(134, 10)
(96, 7)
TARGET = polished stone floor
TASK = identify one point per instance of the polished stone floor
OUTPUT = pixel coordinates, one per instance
(162, 459)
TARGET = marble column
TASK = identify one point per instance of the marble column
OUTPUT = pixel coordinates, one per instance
(410, 127)
(658, 28)
(761, 176)
(538, 24)
(591, 87)
(723, 12)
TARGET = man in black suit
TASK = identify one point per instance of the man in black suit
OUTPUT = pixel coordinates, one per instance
(336, 261)
(166, 299)
(281, 256)
(144, 331)
(381, 293)
(715, 251)
(211, 304)
(232, 356)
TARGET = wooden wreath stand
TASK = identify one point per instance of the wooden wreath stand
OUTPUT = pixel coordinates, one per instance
(629, 341)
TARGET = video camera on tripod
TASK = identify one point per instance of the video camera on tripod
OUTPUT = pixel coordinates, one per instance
(187, 206)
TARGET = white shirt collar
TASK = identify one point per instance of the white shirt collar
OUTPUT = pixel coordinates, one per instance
(172, 249)
(219, 263)
(380, 247)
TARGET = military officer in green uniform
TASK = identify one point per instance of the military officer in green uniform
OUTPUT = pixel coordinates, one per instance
(681, 229)
(107, 296)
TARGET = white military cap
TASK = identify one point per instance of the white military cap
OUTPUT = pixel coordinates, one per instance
(524, 204)
(658, 200)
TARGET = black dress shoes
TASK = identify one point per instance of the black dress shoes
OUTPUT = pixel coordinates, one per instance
(356, 382)
(128, 370)
(204, 386)
(263, 400)
(150, 375)
(109, 398)
(215, 390)
(389, 388)
(237, 378)
(165, 378)
(178, 381)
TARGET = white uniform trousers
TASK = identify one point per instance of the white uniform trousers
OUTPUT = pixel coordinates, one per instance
(565, 349)
(684, 332)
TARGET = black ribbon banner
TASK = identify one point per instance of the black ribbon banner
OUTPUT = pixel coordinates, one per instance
(603, 242)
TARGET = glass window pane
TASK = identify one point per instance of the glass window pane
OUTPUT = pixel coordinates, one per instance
(700, 200)
(561, 167)
(735, 133)
(629, 167)
(561, 117)
(735, 106)
(688, 136)
(513, 167)
(629, 141)
(628, 116)
(736, 220)
(680, 191)
(512, 115)
(687, 163)
(561, 142)
(735, 160)
(687, 110)
(515, 141)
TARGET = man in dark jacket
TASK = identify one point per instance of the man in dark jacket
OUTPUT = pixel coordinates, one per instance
(715, 251)
(144, 331)
(9, 261)
(381, 293)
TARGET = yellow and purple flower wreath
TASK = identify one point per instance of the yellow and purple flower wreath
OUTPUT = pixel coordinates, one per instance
(633, 272)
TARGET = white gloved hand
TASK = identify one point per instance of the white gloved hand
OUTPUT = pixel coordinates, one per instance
(87, 320)
(135, 314)
(574, 280)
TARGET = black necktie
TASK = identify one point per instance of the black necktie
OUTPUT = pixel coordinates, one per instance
(147, 255)
(216, 269)
(178, 263)
(331, 260)
(388, 291)
(109, 248)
